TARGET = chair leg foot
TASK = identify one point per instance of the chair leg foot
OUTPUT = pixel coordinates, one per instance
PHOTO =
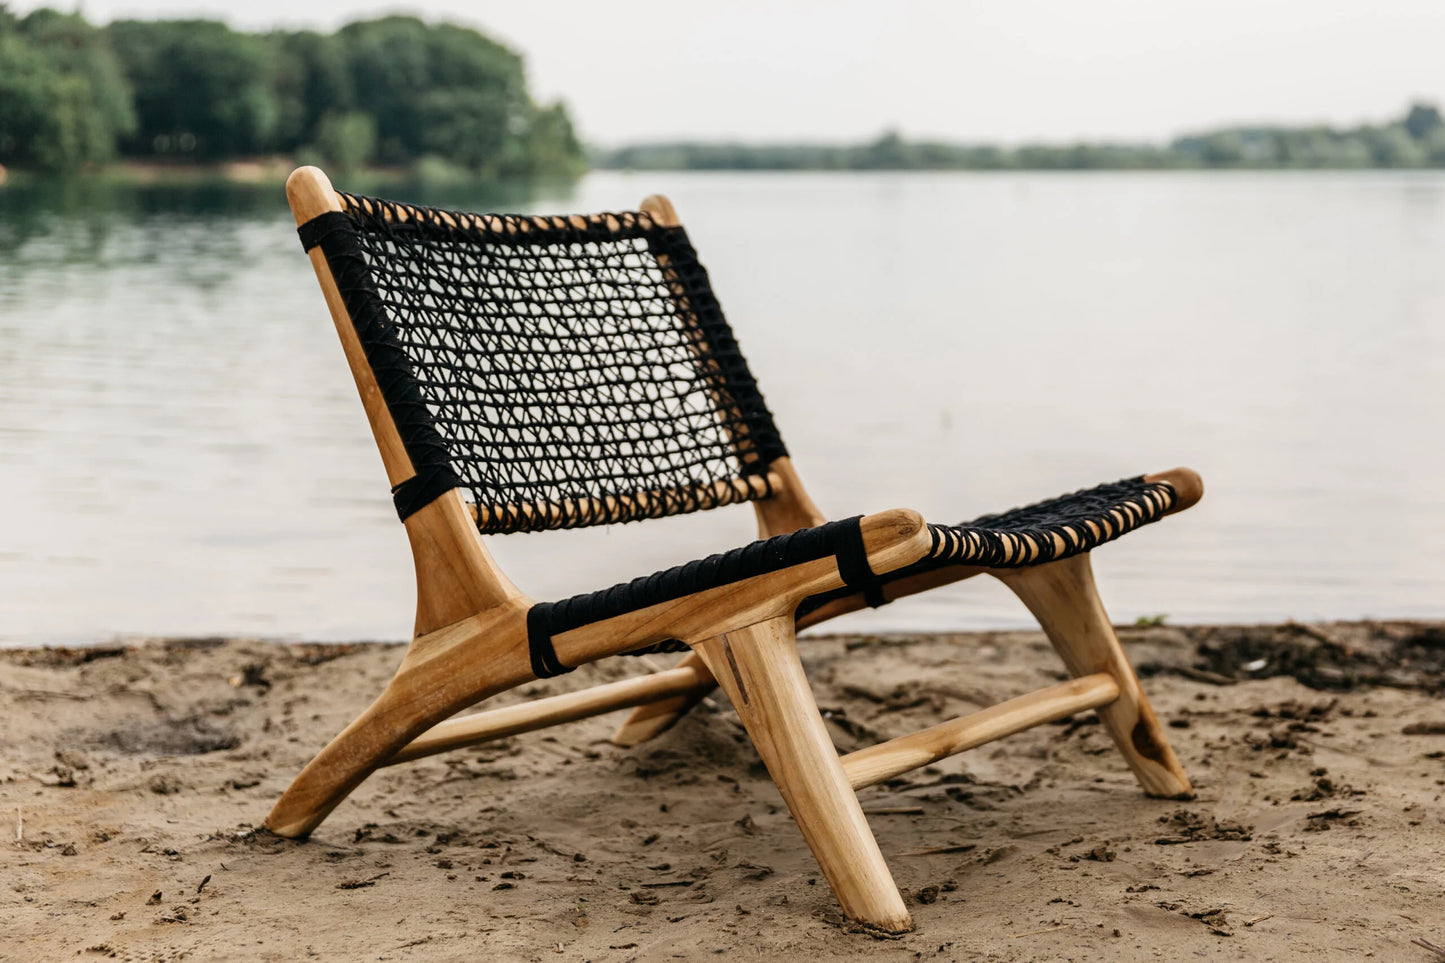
(760, 670)
(649, 721)
(1063, 597)
(440, 675)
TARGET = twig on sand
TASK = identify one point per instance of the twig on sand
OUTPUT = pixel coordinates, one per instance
(939, 850)
(19, 826)
(1435, 948)
(1051, 929)
(895, 811)
(1259, 919)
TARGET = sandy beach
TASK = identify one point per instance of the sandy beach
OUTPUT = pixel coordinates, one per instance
(133, 780)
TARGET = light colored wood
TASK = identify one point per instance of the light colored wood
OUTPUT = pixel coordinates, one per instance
(649, 721)
(457, 667)
(891, 540)
(660, 209)
(471, 643)
(759, 669)
(311, 195)
(1063, 597)
(455, 575)
(541, 713)
(741, 488)
(872, 765)
(788, 509)
(1188, 487)
(509, 224)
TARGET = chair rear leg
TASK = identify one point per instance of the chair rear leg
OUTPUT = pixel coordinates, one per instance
(1063, 597)
(649, 721)
(760, 670)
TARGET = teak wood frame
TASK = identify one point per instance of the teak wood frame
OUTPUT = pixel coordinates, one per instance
(470, 643)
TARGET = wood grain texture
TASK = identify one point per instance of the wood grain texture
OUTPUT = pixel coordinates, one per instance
(543, 713)
(649, 721)
(310, 194)
(872, 765)
(457, 667)
(788, 509)
(759, 669)
(1063, 597)
(891, 540)
(1188, 487)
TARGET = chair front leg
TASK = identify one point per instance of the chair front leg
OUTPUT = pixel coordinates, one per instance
(759, 668)
(1063, 597)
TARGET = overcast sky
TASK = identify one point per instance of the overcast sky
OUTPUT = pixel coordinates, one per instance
(1006, 71)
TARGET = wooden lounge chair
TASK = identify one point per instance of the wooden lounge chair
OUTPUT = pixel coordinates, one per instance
(530, 373)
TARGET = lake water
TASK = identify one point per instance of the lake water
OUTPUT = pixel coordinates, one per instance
(182, 451)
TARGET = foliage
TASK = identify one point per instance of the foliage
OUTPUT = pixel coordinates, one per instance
(1415, 140)
(392, 90)
(346, 141)
(64, 101)
(202, 90)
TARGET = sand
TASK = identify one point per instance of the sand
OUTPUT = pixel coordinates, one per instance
(133, 780)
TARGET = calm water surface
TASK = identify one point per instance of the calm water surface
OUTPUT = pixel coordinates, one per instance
(182, 451)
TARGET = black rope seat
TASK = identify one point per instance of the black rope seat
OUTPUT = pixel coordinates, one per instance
(563, 371)
(1043, 532)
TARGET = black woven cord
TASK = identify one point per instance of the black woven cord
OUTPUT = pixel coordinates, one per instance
(1025, 536)
(321, 225)
(853, 567)
(389, 362)
(420, 490)
(569, 377)
(545, 663)
(842, 539)
(691, 279)
(1053, 529)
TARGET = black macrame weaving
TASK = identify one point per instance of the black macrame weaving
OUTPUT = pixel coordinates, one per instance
(563, 371)
(1043, 532)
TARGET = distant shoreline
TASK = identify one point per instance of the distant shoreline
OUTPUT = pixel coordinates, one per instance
(262, 172)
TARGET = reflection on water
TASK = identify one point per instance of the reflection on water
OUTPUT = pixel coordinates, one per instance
(181, 450)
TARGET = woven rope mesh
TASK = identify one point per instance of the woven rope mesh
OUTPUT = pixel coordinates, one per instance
(579, 370)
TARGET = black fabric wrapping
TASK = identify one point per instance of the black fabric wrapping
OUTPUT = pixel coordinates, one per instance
(843, 539)
(337, 236)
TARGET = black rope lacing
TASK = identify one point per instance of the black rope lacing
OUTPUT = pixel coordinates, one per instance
(562, 371)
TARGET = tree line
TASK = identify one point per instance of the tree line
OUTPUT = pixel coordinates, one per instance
(1416, 139)
(390, 91)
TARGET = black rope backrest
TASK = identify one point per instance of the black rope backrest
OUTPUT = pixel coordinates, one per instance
(563, 371)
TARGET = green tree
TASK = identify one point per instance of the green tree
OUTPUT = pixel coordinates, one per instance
(552, 146)
(201, 89)
(347, 140)
(311, 79)
(438, 89)
(63, 98)
(1423, 120)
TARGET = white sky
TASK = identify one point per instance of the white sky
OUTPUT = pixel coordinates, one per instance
(1005, 71)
